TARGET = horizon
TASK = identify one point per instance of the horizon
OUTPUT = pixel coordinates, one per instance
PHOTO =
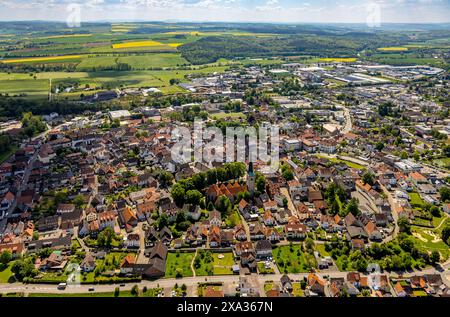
(232, 11)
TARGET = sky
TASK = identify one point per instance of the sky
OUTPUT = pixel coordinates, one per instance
(277, 11)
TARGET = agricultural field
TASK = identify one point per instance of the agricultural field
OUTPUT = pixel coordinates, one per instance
(338, 60)
(393, 49)
(50, 59)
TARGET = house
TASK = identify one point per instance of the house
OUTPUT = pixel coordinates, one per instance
(244, 247)
(61, 243)
(257, 231)
(295, 231)
(373, 233)
(128, 217)
(316, 285)
(268, 219)
(126, 267)
(56, 261)
(244, 207)
(215, 218)
(214, 237)
(210, 291)
(6, 203)
(159, 251)
(239, 233)
(286, 283)
(88, 263)
(263, 249)
(446, 208)
(65, 208)
(132, 241)
(399, 290)
(248, 286)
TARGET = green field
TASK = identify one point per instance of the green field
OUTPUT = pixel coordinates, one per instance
(16, 84)
(152, 292)
(415, 199)
(212, 265)
(427, 242)
(6, 276)
(179, 263)
(292, 259)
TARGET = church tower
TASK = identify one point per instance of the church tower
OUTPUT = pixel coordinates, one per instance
(251, 179)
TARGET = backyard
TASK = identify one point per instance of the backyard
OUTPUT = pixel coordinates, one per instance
(290, 259)
(209, 263)
(178, 264)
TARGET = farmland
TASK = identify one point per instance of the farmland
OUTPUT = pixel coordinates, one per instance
(143, 55)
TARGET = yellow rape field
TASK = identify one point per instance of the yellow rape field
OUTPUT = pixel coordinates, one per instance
(137, 44)
(40, 59)
(339, 60)
(174, 44)
(393, 49)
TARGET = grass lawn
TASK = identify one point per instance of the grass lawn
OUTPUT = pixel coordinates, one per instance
(179, 262)
(6, 276)
(290, 259)
(152, 292)
(268, 286)
(425, 243)
(223, 266)
(210, 264)
(321, 249)
(297, 290)
(415, 199)
(262, 269)
(420, 293)
(5, 155)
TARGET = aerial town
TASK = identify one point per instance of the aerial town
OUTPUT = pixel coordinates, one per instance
(358, 205)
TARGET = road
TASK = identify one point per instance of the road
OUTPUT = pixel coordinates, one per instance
(188, 281)
(348, 121)
(392, 203)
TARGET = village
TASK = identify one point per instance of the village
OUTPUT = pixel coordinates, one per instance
(358, 206)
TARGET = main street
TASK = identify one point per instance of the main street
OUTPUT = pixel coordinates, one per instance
(231, 280)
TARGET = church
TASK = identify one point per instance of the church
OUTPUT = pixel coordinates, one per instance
(232, 189)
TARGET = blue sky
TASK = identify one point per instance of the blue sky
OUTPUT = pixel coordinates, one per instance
(292, 11)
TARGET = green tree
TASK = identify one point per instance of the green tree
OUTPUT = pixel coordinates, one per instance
(352, 207)
(445, 234)
(368, 178)
(224, 205)
(135, 290)
(444, 191)
(5, 257)
(193, 197)
(404, 225)
(116, 292)
(165, 178)
(178, 193)
(435, 257)
(79, 201)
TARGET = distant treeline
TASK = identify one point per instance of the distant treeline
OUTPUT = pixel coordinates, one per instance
(210, 49)
(14, 108)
